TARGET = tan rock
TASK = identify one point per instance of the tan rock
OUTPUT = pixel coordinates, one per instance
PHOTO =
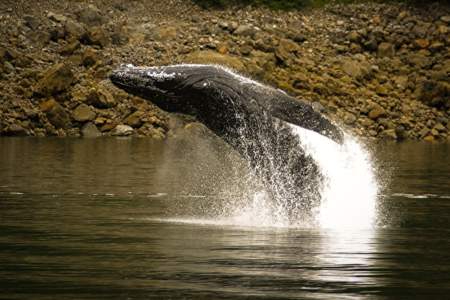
(434, 132)
(70, 48)
(55, 113)
(100, 97)
(100, 121)
(386, 50)
(424, 132)
(222, 48)
(422, 43)
(245, 30)
(89, 130)
(389, 134)
(89, 57)
(74, 29)
(349, 118)
(439, 127)
(354, 68)
(429, 138)
(96, 36)
(56, 79)
(381, 90)
(164, 33)
(212, 57)
(122, 130)
(91, 16)
(377, 112)
(83, 113)
(135, 119)
(287, 50)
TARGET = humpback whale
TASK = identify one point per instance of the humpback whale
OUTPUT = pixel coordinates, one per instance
(255, 119)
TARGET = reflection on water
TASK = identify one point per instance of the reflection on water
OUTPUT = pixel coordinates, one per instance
(88, 219)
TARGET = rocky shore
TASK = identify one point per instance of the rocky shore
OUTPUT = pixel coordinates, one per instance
(380, 70)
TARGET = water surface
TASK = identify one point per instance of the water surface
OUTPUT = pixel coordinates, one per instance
(94, 219)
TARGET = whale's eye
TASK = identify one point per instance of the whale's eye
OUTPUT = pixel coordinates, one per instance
(201, 84)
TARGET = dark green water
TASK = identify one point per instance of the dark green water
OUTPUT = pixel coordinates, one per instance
(87, 219)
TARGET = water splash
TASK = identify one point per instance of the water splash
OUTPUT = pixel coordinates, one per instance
(350, 189)
(348, 192)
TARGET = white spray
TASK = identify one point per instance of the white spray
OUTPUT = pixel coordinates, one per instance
(350, 189)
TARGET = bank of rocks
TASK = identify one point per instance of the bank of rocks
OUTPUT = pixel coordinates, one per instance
(382, 71)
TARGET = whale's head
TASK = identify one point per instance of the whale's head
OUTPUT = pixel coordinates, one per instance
(174, 88)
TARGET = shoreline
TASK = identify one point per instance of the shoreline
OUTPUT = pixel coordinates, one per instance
(381, 71)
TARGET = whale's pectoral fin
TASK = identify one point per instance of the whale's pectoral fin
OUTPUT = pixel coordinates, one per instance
(302, 114)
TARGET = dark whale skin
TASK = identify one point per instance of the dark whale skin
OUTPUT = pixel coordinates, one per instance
(251, 117)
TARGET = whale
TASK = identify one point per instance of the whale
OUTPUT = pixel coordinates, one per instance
(256, 120)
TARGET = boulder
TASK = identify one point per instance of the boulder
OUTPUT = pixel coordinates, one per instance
(91, 16)
(55, 113)
(83, 113)
(135, 119)
(354, 37)
(401, 82)
(386, 50)
(89, 57)
(355, 69)
(56, 79)
(70, 48)
(349, 118)
(100, 97)
(56, 33)
(16, 130)
(56, 17)
(245, 30)
(163, 34)
(122, 130)
(419, 61)
(74, 29)
(96, 36)
(287, 51)
(211, 57)
(264, 60)
(297, 37)
(429, 138)
(376, 112)
(422, 43)
(389, 134)
(89, 130)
